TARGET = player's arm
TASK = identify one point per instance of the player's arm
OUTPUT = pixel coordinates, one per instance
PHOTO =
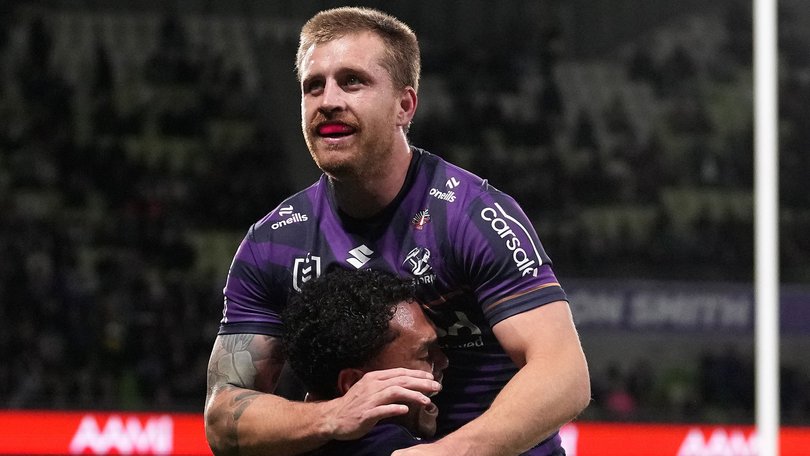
(243, 417)
(551, 388)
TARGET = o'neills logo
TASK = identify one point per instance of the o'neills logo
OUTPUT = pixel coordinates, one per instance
(295, 218)
(499, 222)
(444, 196)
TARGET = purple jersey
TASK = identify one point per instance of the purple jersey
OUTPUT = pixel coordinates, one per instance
(471, 250)
(381, 440)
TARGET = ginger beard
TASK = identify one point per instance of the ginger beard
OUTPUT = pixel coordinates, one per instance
(360, 154)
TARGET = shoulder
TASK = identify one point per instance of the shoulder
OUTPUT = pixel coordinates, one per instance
(449, 182)
(297, 209)
(444, 172)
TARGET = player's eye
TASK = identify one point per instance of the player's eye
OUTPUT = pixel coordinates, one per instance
(313, 87)
(352, 80)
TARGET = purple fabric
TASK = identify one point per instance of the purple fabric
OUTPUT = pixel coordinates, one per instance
(470, 249)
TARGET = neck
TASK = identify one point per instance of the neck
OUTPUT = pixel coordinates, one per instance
(363, 196)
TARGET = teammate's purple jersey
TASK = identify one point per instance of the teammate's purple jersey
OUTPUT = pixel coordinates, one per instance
(471, 250)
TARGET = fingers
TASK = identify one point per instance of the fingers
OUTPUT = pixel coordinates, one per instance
(415, 380)
(386, 374)
(399, 395)
(384, 411)
(379, 395)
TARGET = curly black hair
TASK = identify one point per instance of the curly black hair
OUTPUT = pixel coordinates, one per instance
(340, 320)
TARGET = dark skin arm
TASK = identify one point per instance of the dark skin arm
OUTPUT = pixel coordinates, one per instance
(243, 417)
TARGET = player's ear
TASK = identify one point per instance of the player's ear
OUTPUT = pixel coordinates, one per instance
(348, 377)
(407, 106)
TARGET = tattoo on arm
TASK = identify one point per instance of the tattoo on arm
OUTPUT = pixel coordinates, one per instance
(245, 360)
(241, 402)
(232, 361)
(248, 361)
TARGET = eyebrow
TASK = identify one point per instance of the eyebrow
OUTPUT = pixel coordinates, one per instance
(342, 71)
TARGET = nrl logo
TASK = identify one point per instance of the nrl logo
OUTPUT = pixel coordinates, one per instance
(421, 219)
(305, 269)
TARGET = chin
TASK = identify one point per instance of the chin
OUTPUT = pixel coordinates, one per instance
(337, 171)
(426, 421)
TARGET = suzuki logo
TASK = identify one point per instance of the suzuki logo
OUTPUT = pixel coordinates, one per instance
(359, 256)
(305, 269)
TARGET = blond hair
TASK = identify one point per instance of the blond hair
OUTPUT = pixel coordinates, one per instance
(401, 59)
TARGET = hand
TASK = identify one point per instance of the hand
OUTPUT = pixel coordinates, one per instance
(376, 396)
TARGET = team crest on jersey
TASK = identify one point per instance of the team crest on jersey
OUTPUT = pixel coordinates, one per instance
(305, 269)
(421, 219)
(418, 260)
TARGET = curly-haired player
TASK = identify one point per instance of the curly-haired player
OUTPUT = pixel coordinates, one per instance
(348, 323)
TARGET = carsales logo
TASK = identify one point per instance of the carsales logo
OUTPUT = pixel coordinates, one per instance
(499, 221)
(124, 435)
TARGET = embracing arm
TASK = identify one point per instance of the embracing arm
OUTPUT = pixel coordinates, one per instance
(243, 417)
(551, 388)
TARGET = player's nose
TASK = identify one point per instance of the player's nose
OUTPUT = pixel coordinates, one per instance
(440, 362)
(332, 98)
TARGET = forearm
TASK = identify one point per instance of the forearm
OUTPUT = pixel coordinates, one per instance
(243, 418)
(243, 422)
(531, 407)
(551, 388)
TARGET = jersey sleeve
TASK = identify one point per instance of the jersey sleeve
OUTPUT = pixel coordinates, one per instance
(251, 296)
(503, 258)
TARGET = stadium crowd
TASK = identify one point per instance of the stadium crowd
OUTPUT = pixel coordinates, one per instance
(126, 184)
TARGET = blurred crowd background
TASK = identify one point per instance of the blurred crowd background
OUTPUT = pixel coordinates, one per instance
(140, 139)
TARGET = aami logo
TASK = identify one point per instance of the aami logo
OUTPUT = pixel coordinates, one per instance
(292, 217)
(499, 222)
(719, 443)
(124, 436)
(569, 434)
(449, 196)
